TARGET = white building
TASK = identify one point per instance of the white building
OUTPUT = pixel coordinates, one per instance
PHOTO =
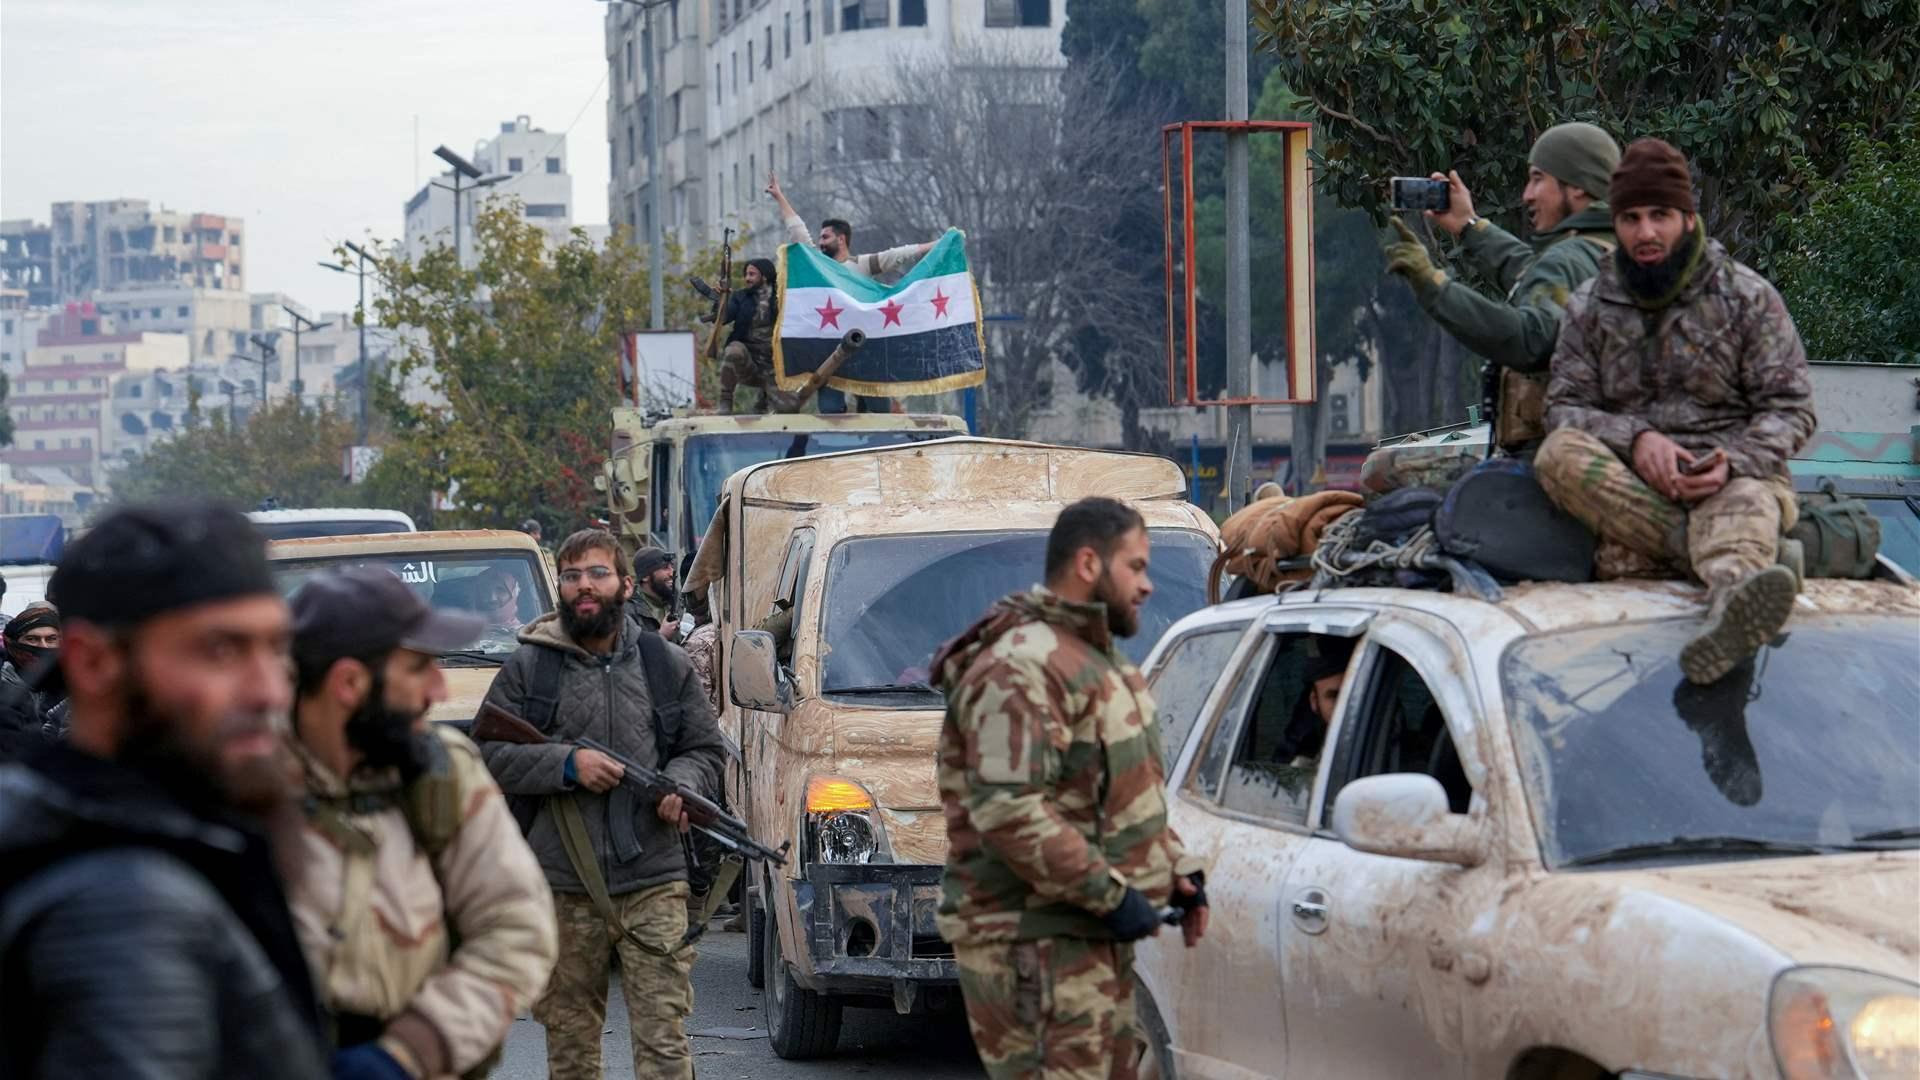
(532, 163)
(20, 325)
(753, 85)
(215, 322)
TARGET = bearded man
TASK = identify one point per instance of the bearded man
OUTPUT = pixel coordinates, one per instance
(1060, 855)
(616, 867)
(449, 934)
(1679, 392)
(142, 917)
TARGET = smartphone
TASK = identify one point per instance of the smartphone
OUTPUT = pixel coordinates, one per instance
(1703, 463)
(1420, 193)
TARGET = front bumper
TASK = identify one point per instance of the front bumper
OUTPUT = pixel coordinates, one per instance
(874, 921)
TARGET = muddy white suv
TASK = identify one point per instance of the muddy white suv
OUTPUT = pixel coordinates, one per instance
(1526, 847)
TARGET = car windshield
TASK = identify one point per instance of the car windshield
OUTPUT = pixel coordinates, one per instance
(507, 587)
(713, 458)
(1899, 529)
(1812, 744)
(892, 600)
(301, 530)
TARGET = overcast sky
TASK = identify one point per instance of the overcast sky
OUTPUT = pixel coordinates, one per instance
(298, 117)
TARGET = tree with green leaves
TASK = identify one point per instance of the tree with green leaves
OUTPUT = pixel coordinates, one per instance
(282, 451)
(500, 397)
(1757, 93)
(1850, 267)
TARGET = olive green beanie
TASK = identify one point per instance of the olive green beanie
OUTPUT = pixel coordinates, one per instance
(1578, 154)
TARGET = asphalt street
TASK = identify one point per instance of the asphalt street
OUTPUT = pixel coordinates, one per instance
(730, 1036)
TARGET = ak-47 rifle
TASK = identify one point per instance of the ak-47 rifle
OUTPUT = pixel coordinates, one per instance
(496, 723)
(721, 295)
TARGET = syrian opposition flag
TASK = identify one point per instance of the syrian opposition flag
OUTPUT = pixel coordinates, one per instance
(924, 335)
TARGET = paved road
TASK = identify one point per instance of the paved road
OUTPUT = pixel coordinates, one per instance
(729, 1034)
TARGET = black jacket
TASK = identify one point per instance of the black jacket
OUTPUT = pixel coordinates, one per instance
(605, 698)
(742, 305)
(20, 715)
(140, 936)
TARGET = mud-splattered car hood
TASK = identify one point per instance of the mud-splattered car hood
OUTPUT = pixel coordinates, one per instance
(1854, 910)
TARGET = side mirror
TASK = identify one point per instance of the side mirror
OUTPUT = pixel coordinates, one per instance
(1405, 816)
(754, 678)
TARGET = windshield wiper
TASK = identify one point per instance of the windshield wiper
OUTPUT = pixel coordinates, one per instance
(480, 656)
(885, 688)
(1709, 845)
(1906, 832)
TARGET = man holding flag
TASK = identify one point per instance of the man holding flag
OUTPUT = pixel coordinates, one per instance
(836, 242)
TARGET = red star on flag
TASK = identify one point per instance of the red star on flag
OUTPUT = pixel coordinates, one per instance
(829, 315)
(891, 310)
(940, 301)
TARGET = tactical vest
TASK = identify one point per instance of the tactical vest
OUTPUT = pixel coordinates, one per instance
(1515, 402)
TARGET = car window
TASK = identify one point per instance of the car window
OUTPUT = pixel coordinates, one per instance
(1264, 761)
(1397, 727)
(1184, 678)
(661, 483)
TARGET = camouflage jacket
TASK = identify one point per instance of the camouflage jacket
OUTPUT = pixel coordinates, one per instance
(1721, 366)
(1538, 279)
(700, 647)
(1050, 776)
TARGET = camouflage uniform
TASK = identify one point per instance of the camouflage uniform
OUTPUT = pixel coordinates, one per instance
(1720, 367)
(747, 359)
(700, 647)
(1051, 779)
(658, 990)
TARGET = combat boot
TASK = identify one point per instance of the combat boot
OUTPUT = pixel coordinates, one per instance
(1742, 617)
(1793, 555)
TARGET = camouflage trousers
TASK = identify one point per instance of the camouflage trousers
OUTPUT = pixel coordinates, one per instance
(1053, 1009)
(740, 366)
(1722, 539)
(659, 990)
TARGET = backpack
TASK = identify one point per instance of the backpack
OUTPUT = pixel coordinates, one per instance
(1499, 516)
(1839, 535)
(542, 708)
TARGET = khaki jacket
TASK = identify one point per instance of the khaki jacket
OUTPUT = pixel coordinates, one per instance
(374, 912)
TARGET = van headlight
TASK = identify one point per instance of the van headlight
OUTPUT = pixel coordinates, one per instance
(843, 823)
(1830, 1023)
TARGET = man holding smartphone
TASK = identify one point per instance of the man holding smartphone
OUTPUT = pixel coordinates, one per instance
(1679, 391)
(1567, 174)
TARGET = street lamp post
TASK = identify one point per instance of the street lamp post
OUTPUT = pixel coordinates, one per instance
(462, 169)
(656, 194)
(360, 313)
(300, 324)
(267, 352)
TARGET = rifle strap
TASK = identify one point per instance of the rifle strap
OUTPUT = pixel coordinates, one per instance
(573, 837)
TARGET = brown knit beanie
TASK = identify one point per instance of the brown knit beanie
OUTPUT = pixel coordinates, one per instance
(1651, 173)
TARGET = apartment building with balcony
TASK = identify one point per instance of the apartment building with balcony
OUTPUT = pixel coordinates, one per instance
(754, 85)
(60, 398)
(127, 243)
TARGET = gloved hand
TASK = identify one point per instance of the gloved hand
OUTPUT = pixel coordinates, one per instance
(1134, 919)
(1184, 902)
(366, 1061)
(1409, 258)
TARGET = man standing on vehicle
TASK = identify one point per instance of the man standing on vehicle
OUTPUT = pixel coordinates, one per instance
(1567, 175)
(1679, 391)
(836, 242)
(754, 315)
(1060, 856)
(425, 965)
(654, 594)
(142, 921)
(616, 865)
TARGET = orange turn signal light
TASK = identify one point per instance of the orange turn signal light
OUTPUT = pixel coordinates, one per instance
(829, 793)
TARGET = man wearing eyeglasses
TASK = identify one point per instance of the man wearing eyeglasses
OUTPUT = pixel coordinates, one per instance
(614, 861)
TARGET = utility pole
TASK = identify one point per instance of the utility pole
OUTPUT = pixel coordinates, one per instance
(1239, 471)
(360, 317)
(656, 258)
(462, 170)
(300, 324)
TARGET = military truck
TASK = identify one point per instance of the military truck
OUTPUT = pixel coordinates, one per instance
(860, 565)
(665, 473)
